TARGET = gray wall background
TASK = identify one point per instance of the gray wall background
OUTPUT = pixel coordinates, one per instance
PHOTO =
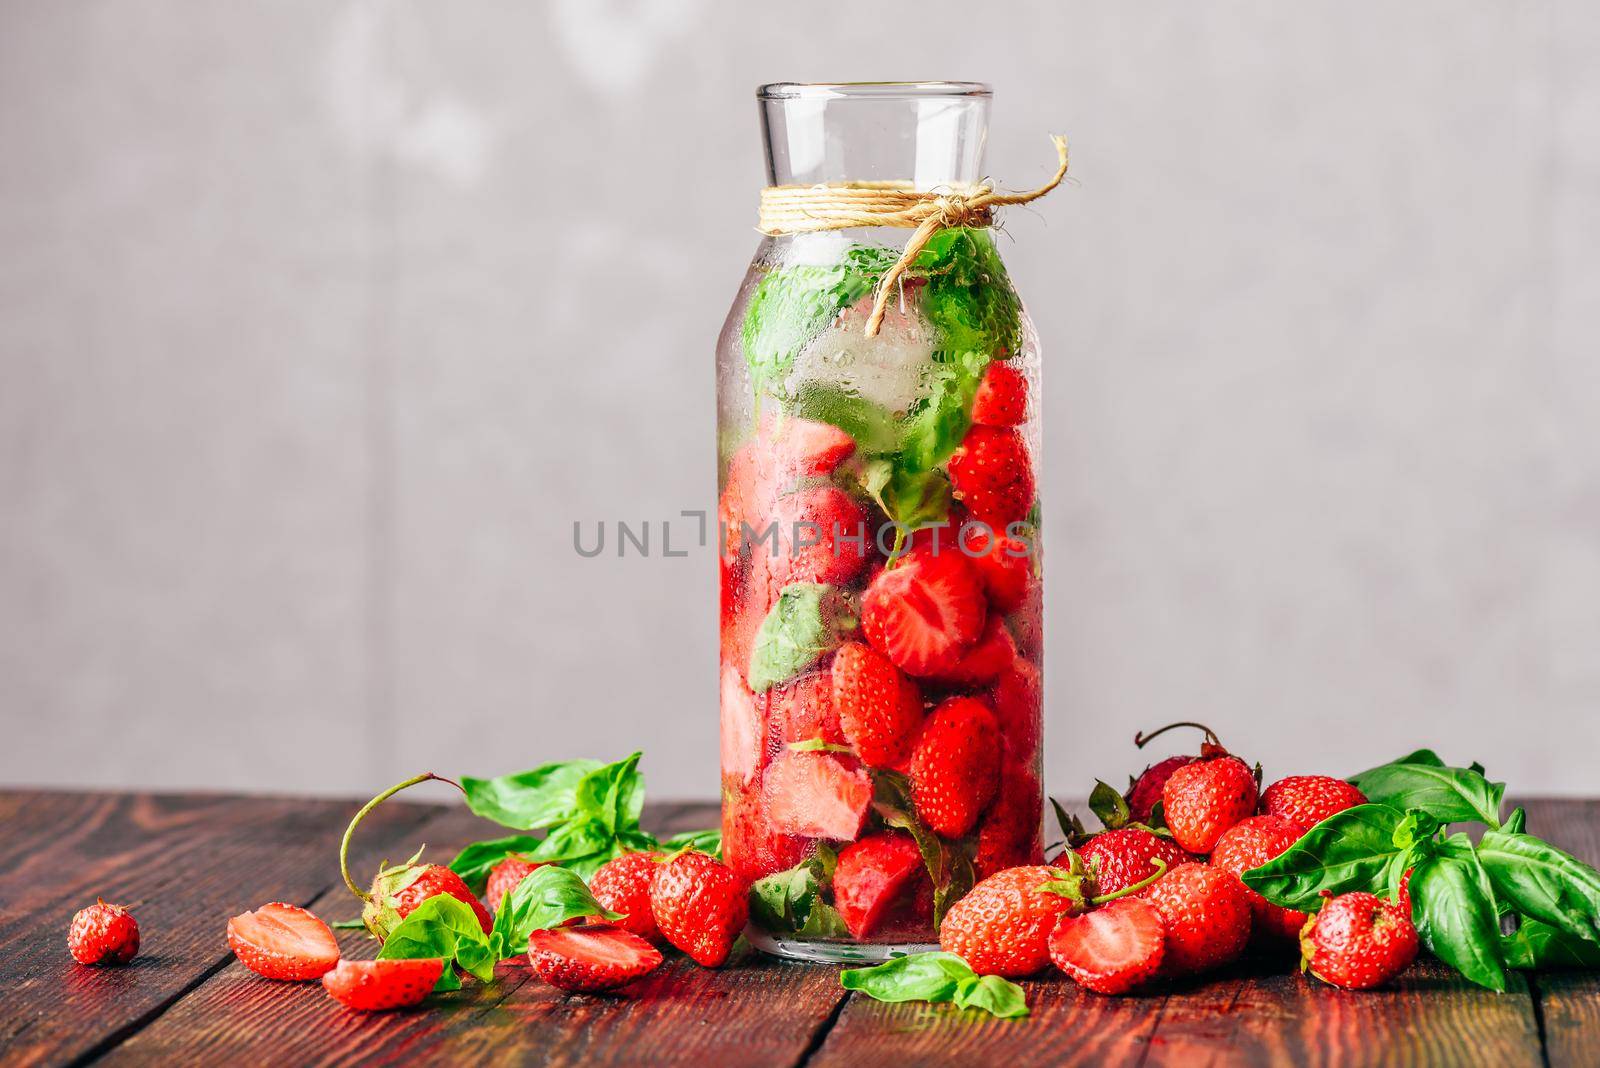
(320, 324)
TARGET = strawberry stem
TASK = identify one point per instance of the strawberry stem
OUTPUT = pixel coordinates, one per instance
(344, 843)
(1211, 736)
(1161, 869)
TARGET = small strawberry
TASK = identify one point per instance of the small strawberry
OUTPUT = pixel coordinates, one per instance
(751, 845)
(1017, 699)
(822, 537)
(700, 906)
(880, 710)
(1119, 859)
(1207, 915)
(817, 794)
(1002, 926)
(993, 653)
(103, 934)
(1310, 799)
(1358, 941)
(594, 957)
(282, 941)
(1250, 844)
(925, 611)
(1145, 791)
(378, 985)
(1004, 564)
(955, 766)
(991, 474)
(1002, 396)
(871, 875)
(504, 877)
(1111, 949)
(622, 885)
(1205, 797)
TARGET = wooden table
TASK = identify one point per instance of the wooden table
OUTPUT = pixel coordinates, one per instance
(192, 861)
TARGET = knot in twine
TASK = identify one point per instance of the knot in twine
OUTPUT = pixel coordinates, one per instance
(808, 209)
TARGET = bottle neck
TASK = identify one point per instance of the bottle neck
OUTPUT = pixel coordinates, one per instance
(929, 134)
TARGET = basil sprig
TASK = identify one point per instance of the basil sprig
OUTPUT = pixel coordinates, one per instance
(938, 977)
(1460, 889)
(446, 928)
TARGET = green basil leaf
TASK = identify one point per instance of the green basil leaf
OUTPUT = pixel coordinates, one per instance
(1516, 823)
(1421, 756)
(942, 417)
(571, 841)
(613, 794)
(1350, 850)
(1542, 882)
(875, 431)
(531, 799)
(809, 621)
(790, 902)
(475, 862)
(1534, 946)
(1450, 795)
(915, 977)
(707, 841)
(1453, 907)
(446, 928)
(792, 304)
(994, 995)
(912, 499)
(546, 898)
(1106, 802)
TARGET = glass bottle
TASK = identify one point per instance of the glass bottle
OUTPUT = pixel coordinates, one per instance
(880, 566)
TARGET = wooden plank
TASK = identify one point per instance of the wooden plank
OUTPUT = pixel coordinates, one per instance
(187, 863)
(1569, 1002)
(754, 1011)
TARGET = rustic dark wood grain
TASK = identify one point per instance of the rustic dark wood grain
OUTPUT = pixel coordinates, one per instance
(186, 863)
(1568, 1002)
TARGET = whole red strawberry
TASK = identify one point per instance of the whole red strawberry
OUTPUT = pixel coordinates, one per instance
(991, 474)
(1002, 926)
(821, 535)
(880, 710)
(1358, 941)
(504, 877)
(1005, 565)
(1145, 791)
(871, 874)
(1111, 949)
(623, 885)
(397, 891)
(1002, 396)
(1017, 699)
(925, 611)
(1207, 916)
(699, 906)
(1008, 834)
(282, 941)
(1310, 799)
(1206, 796)
(103, 934)
(990, 655)
(1250, 844)
(594, 957)
(379, 985)
(955, 766)
(1119, 859)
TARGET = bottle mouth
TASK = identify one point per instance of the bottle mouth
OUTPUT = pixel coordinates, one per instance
(870, 90)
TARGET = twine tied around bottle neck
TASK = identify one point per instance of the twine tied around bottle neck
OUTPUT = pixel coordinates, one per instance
(809, 209)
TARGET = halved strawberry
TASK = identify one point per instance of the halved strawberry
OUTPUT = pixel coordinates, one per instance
(283, 941)
(743, 734)
(751, 845)
(871, 874)
(810, 449)
(991, 474)
(925, 611)
(955, 767)
(986, 660)
(1002, 397)
(376, 985)
(1111, 949)
(817, 794)
(1003, 563)
(879, 709)
(597, 956)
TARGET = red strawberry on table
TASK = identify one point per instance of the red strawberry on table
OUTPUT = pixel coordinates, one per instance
(504, 877)
(1250, 844)
(1111, 949)
(955, 766)
(397, 891)
(879, 709)
(871, 875)
(1123, 857)
(700, 906)
(622, 885)
(1206, 796)
(1002, 396)
(282, 941)
(1002, 926)
(817, 794)
(1207, 914)
(103, 934)
(591, 958)
(379, 985)
(925, 611)
(1146, 790)
(1310, 799)
(1358, 941)
(991, 474)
